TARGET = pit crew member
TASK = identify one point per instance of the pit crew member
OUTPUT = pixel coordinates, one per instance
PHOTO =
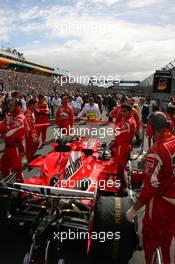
(170, 114)
(115, 113)
(13, 129)
(124, 134)
(158, 194)
(41, 114)
(32, 141)
(65, 116)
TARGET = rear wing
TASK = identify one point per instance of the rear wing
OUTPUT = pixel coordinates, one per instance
(43, 191)
(35, 199)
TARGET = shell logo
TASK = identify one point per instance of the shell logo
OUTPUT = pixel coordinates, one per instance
(162, 85)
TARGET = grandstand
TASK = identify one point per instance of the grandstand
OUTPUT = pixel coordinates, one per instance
(14, 60)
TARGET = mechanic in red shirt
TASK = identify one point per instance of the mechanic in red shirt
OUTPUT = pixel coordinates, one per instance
(170, 114)
(41, 114)
(65, 116)
(158, 194)
(137, 115)
(13, 128)
(115, 113)
(32, 141)
(149, 131)
(124, 134)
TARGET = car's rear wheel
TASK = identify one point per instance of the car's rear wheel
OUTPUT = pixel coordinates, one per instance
(116, 236)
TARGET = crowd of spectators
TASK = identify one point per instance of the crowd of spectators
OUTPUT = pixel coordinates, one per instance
(26, 82)
(29, 86)
(13, 80)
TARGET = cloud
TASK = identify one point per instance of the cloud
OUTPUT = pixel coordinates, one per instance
(141, 3)
(94, 39)
(7, 25)
(105, 2)
(28, 14)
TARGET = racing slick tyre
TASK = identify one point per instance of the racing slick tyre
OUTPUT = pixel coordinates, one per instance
(116, 237)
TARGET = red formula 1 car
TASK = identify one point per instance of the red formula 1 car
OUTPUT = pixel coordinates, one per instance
(70, 212)
(79, 164)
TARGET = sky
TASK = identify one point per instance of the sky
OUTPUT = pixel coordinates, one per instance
(128, 39)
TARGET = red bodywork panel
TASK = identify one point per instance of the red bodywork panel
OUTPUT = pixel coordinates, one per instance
(73, 169)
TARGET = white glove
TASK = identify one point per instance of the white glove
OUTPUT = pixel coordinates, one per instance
(131, 214)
